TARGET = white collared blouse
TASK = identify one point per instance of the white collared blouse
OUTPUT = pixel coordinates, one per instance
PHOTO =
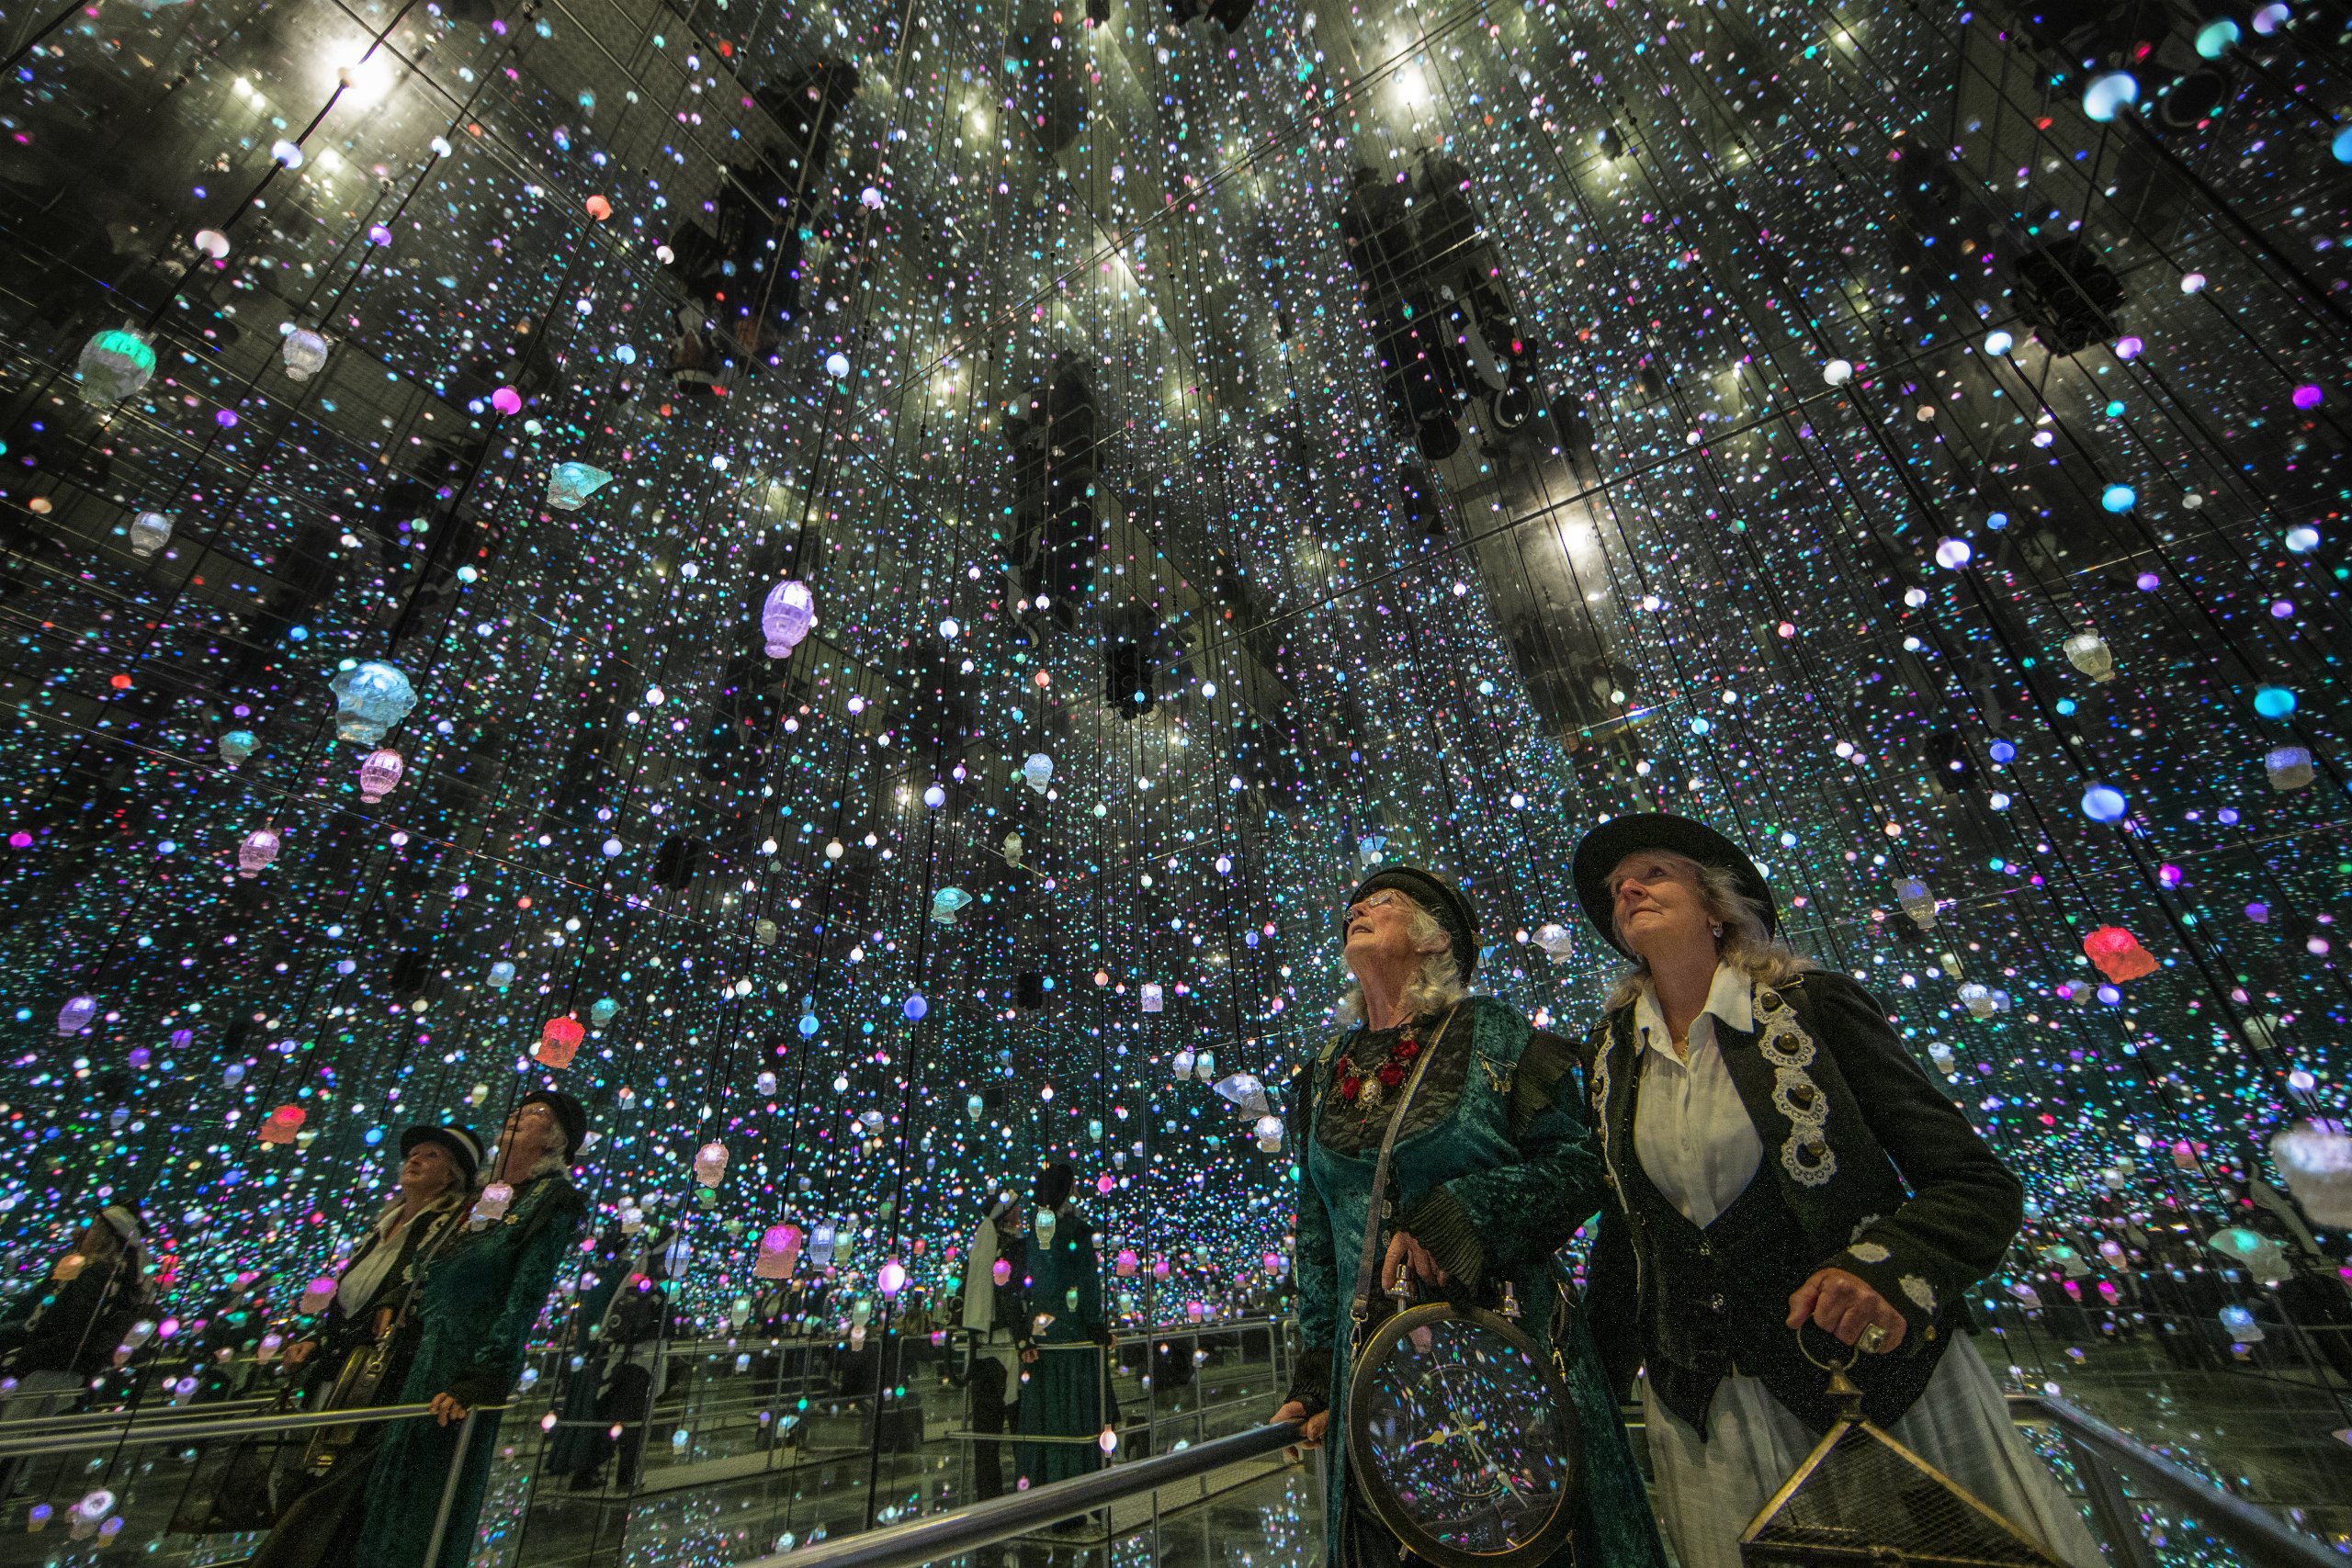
(1694, 1138)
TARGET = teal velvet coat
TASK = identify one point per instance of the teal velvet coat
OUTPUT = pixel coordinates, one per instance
(476, 1302)
(1061, 1393)
(1494, 1189)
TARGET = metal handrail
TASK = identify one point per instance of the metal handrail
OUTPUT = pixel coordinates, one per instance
(2101, 1452)
(947, 1535)
(136, 1436)
(86, 1420)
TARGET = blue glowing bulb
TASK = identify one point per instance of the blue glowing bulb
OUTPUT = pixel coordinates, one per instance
(2273, 702)
(2119, 498)
(2104, 803)
(915, 1009)
(2109, 92)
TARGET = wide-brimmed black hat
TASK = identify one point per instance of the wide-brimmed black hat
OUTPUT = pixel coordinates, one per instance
(569, 1115)
(1444, 901)
(1610, 843)
(463, 1149)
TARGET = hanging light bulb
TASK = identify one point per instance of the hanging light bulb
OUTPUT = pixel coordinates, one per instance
(779, 1251)
(369, 698)
(150, 532)
(380, 774)
(304, 352)
(787, 616)
(2117, 954)
(260, 848)
(2109, 94)
(2088, 651)
(560, 1038)
(1038, 772)
(115, 364)
(2288, 767)
(1917, 901)
(2315, 1160)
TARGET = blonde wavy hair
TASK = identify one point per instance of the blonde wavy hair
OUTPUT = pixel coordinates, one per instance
(1747, 939)
(1435, 986)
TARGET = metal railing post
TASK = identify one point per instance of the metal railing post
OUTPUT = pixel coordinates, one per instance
(2112, 1510)
(449, 1490)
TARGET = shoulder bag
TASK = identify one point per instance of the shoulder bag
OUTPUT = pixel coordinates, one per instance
(1461, 1433)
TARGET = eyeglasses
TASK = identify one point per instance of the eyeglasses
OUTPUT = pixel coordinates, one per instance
(1369, 901)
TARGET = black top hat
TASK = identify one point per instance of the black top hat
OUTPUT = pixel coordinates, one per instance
(1444, 901)
(1607, 845)
(569, 1115)
(463, 1149)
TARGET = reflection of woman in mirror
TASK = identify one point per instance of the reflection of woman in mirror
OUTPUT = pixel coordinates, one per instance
(68, 1329)
(435, 1183)
(1063, 1373)
(477, 1302)
(995, 1316)
(367, 1318)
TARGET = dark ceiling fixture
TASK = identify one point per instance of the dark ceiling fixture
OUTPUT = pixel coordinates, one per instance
(2069, 294)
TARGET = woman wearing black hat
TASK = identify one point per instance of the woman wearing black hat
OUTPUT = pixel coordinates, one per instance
(1492, 1171)
(58, 1336)
(476, 1301)
(1725, 1055)
(438, 1166)
(357, 1353)
(66, 1331)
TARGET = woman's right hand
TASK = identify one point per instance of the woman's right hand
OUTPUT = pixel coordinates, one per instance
(1310, 1434)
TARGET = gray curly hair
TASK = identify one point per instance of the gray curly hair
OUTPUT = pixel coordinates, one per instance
(1435, 986)
(1747, 939)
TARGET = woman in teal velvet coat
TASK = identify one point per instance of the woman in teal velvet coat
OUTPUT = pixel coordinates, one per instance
(1494, 1169)
(476, 1301)
(1062, 1360)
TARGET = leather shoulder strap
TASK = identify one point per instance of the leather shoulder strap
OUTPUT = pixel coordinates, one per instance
(1376, 1210)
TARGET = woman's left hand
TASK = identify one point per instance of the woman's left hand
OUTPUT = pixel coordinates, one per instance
(1405, 1253)
(446, 1409)
(1847, 1307)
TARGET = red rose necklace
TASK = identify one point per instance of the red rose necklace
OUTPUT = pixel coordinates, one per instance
(1369, 1088)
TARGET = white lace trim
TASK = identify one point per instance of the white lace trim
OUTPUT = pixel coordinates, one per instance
(1806, 1155)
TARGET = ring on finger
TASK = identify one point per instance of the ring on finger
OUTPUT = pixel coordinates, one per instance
(1873, 1340)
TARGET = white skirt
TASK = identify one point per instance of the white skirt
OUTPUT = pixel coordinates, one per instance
(1708, 1492)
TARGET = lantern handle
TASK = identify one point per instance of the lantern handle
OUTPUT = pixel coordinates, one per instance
(1842, 1388)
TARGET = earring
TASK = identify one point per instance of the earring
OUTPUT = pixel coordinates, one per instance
(1719, 932)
